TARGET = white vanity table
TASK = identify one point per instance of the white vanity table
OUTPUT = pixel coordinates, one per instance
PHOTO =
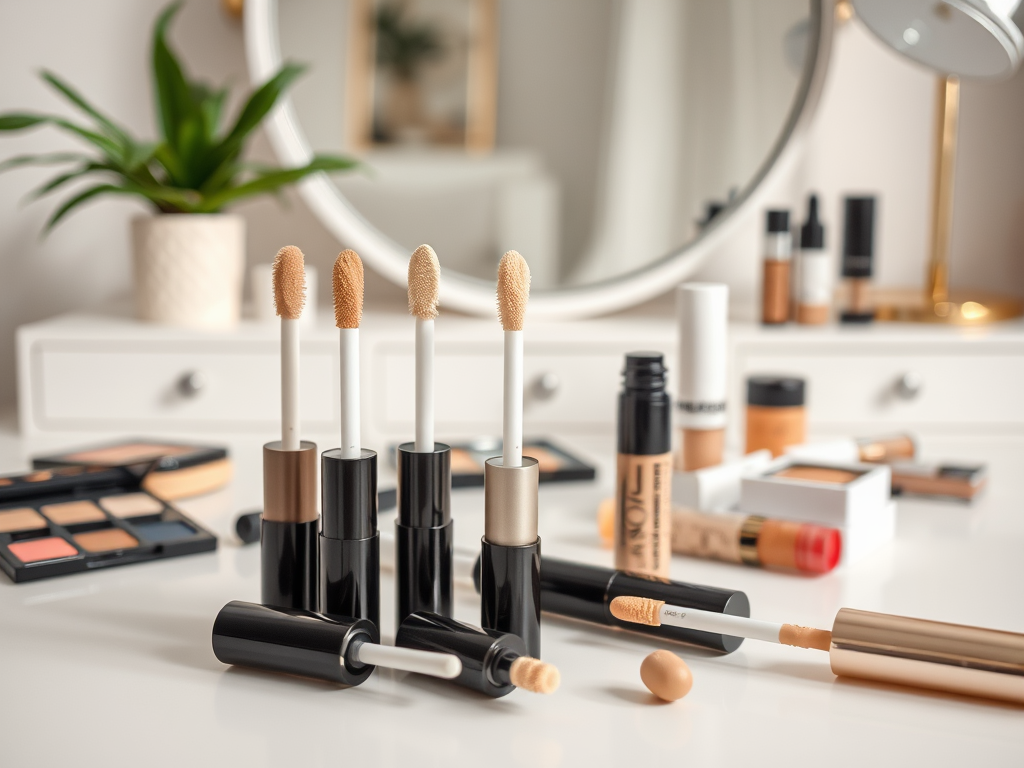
(125, 654)
(88, 377)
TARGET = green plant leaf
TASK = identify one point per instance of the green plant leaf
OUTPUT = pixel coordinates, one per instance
(64, 178)
(256, 108)
(15, 121)
(173, 95)
(50, 159)
(82, 197)
(274, 180)
(113, 131)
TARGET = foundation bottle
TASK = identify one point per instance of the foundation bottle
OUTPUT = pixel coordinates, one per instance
(776, 416)
(702, 310)
(814, 288)
(643, 486)
(778, 248)
(858, 258)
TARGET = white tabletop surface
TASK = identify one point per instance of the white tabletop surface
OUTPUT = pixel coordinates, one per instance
(115, 667)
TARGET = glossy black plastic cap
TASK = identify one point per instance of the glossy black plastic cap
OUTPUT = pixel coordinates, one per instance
(510, 591)
(645, 408)
(777, 221)
(859, 236)
(585, 592)
(812, 234)
(486, 655)
(349, 541)
(292, 642)
(289, 565)
(775, 391)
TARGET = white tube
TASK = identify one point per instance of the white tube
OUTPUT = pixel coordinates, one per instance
(349, 352)
(815, 287)
(702, 310)
(424, 386)
(444, 665)
(289, 384)
(512, 418)
(720, 623)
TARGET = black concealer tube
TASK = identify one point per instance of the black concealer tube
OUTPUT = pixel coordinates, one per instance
(349, 540)
(288, 530)
(486, 655)
(510, 552)
(423, 532)
(293, 642)
(585, 592)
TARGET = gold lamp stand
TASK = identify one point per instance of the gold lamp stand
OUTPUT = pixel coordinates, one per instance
(937, 304)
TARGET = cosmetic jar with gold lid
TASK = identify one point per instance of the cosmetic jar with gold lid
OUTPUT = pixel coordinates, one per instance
(776, 417)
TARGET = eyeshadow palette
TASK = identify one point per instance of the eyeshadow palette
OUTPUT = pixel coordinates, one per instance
(556, 464)
(77, 518)
(169, 470)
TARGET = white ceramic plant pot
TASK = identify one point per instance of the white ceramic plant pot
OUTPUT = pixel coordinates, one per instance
(188, 268)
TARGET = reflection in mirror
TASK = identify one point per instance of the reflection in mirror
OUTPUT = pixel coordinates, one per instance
(594, 136)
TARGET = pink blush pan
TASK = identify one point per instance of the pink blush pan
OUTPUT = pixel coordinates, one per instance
(37, 550)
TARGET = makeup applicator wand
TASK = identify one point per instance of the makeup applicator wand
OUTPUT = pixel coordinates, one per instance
(510, 548)
(337, 649)
(288, 550)
(423, 530)
(874, 646)
(349, 542)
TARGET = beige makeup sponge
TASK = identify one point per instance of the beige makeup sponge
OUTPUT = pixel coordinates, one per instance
(348, 290)
(534, 675)
(424, 283)
(637, 610)
(513, 290)
(289, 283)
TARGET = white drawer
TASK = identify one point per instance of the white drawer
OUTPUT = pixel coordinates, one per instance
(970, 390)
(135, 385)
(469, 388)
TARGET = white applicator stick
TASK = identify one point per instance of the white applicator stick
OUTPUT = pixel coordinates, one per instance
(424, 283)
(289, 298)
(444, 665)
(513, 293)
(348, 313)
(654, 613)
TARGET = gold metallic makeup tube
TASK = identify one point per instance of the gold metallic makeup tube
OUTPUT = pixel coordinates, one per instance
(928, 654)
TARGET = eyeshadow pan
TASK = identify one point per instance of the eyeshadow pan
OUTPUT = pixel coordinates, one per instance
(37, 550)
(105, 540)
(165, 531)
(131, 505)
(20, 519)
(818, 475)
(71, 512)
(38, 477)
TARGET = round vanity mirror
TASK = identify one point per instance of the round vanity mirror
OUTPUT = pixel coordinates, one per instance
(611, 142)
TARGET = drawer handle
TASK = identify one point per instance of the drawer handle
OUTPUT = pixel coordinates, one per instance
(546, 386)
(909, 385)
(191, 383)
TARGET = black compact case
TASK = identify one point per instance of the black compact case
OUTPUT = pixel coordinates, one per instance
(168, 469)
(556, 464)
(70, 519)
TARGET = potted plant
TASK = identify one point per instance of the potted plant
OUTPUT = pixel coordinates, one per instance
(188, 254)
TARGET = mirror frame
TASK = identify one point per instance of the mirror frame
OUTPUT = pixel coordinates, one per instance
(476, 296)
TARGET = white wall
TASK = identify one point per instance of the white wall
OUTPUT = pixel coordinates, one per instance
(873, 134)
(102, 47)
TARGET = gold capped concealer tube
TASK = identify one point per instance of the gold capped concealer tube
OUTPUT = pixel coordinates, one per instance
(928, 654)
